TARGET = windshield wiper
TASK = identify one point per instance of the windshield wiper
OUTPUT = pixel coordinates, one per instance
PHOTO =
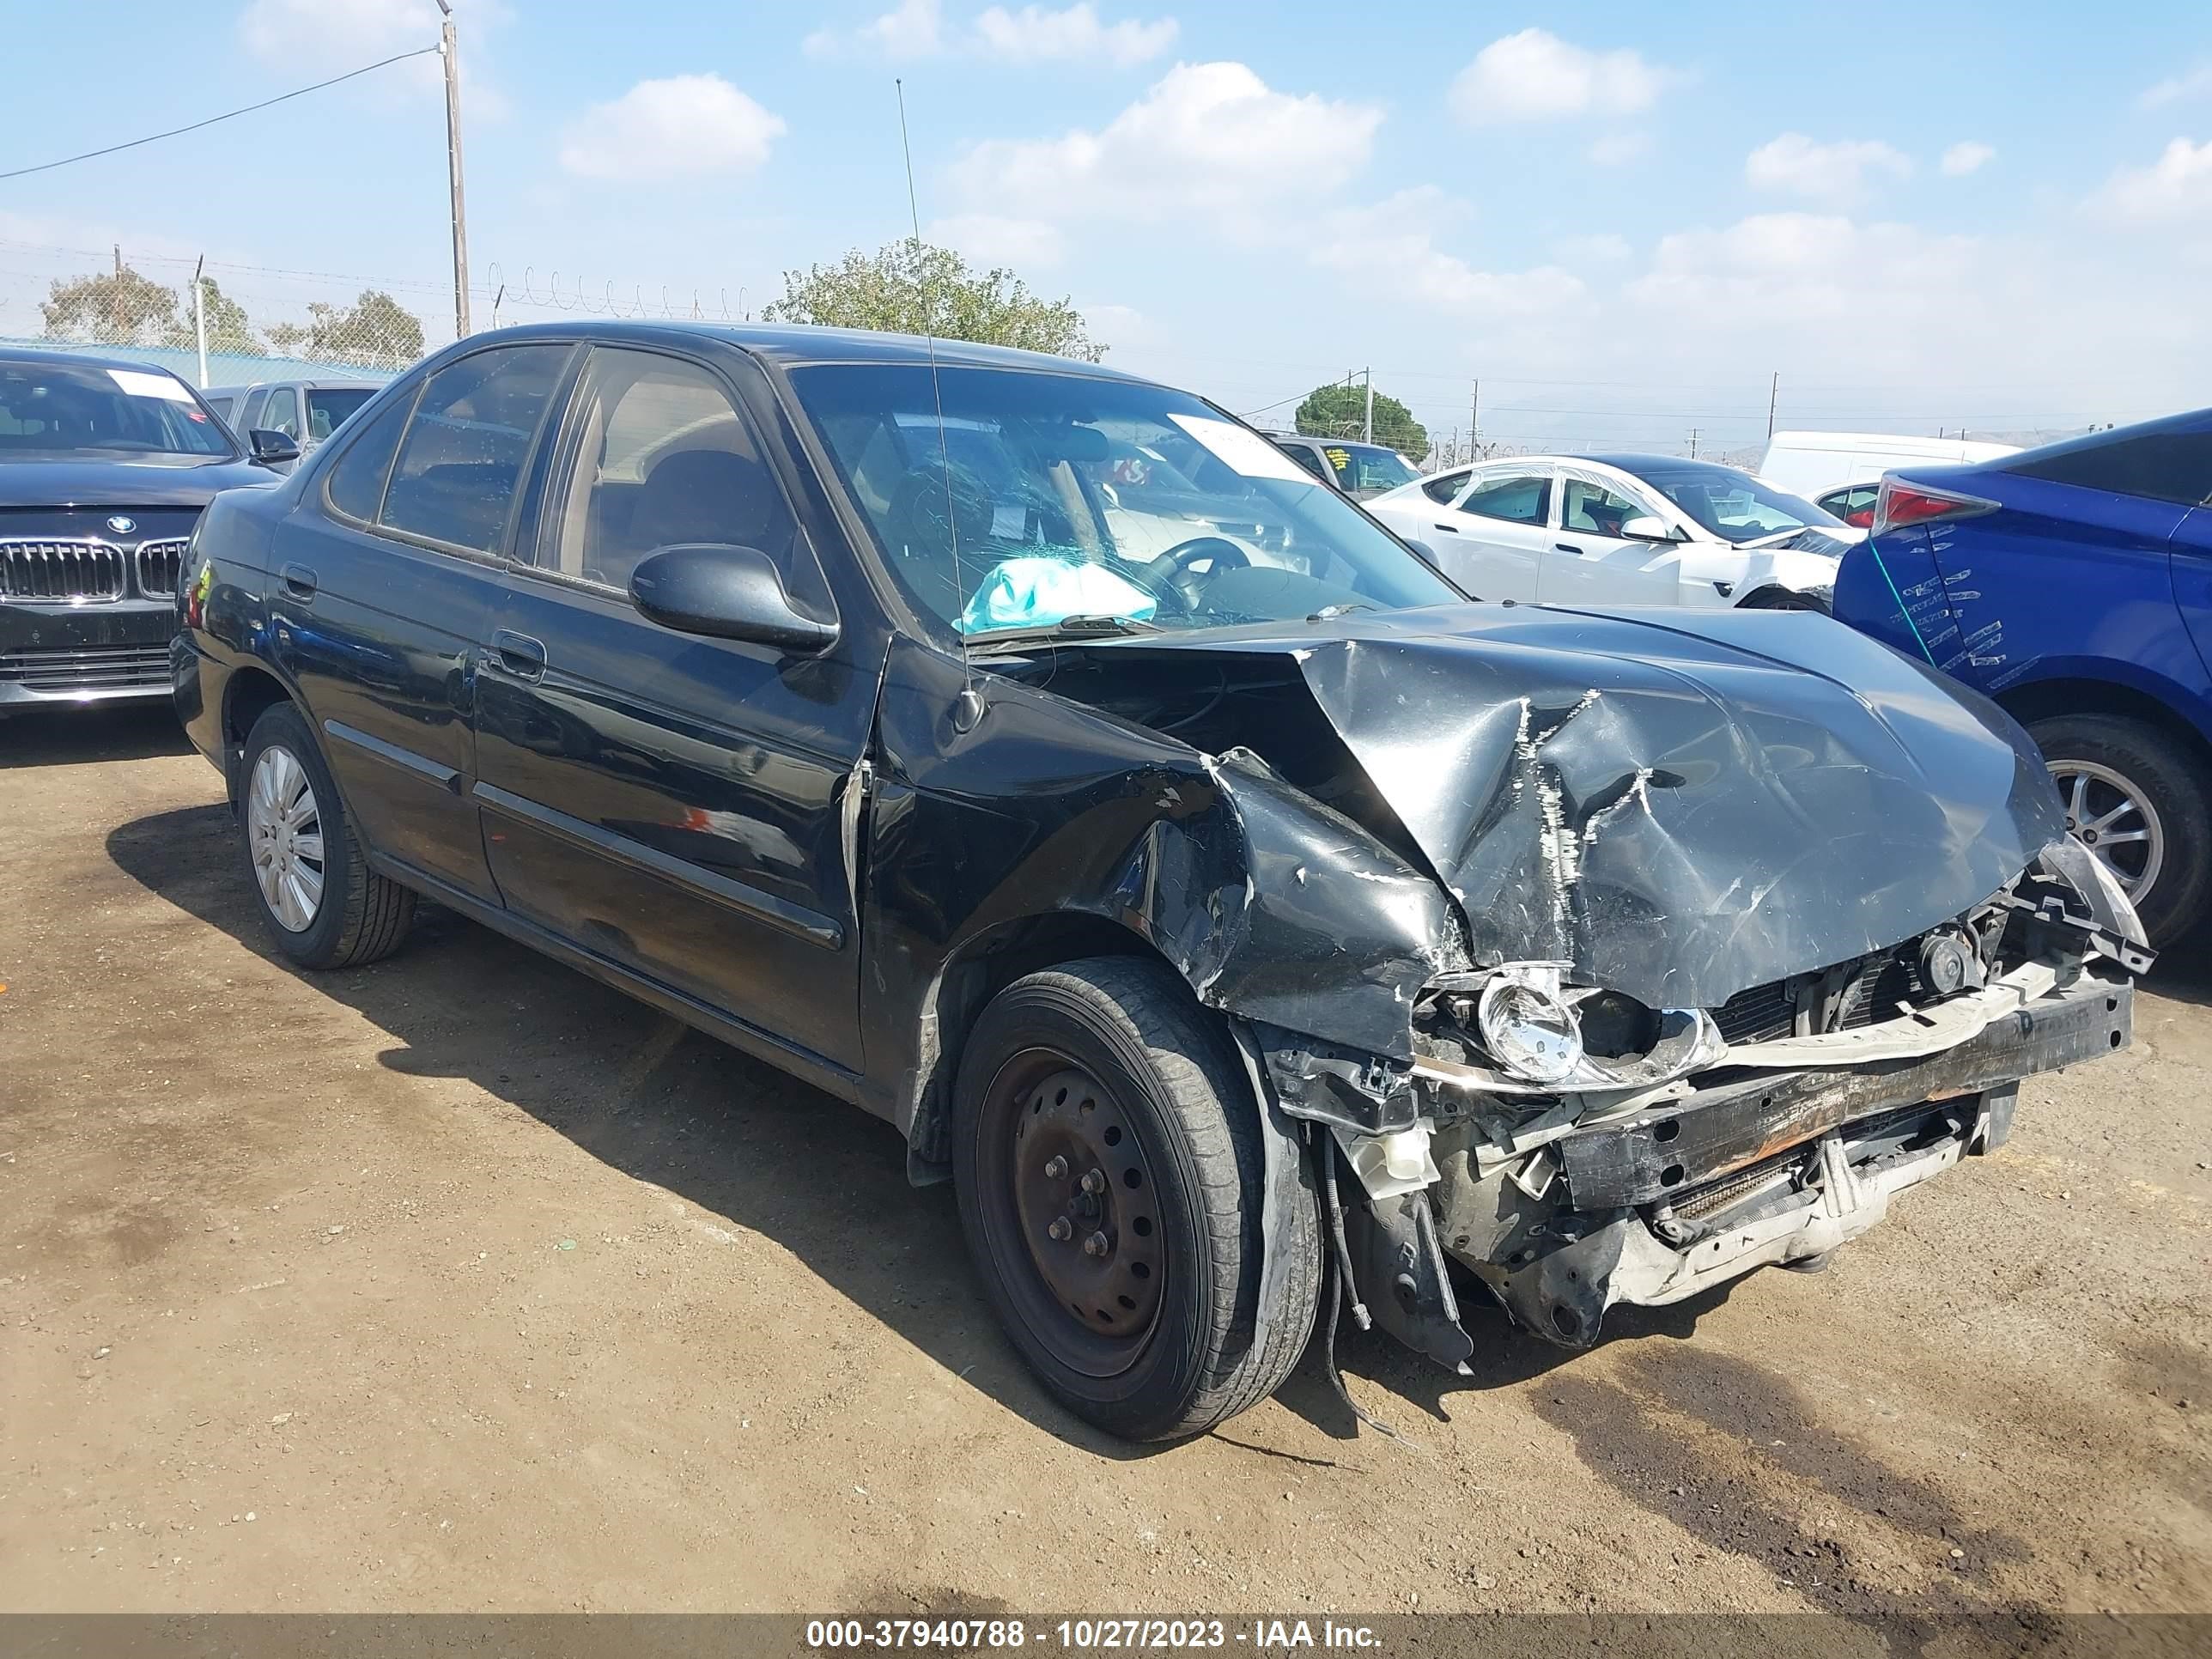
(1328, 612)
(1080, 627)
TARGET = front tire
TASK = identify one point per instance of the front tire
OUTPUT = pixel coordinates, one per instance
(1110, 1167)
(321, 902)
(2137, 800)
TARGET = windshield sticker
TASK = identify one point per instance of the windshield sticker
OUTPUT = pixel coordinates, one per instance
(1245, 452)
(140, 384)
(1339, 458)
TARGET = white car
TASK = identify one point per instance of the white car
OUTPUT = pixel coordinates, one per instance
(1842, 471)
(1620, 530)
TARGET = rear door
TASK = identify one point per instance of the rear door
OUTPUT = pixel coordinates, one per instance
(1590, 561)
(668, 802)
(380, 589)
(1492, 542)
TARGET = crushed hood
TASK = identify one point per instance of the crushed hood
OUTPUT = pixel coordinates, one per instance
(1679, 804)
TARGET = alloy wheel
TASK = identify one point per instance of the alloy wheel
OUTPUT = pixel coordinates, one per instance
(2115, 820)
(284, 837)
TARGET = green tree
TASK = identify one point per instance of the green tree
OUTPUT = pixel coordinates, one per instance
(117, 307)
(1339, 410)
(912, 287)
(375, 331)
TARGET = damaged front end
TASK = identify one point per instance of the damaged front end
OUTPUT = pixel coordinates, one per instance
(1574, 1149)
(1615, 957)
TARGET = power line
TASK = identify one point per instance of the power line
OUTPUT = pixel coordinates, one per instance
(92, 155)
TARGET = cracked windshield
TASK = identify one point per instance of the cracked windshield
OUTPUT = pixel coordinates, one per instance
(1043, 502)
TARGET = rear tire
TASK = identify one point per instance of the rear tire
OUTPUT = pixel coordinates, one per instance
(1134, 1297)
(2114, 756)
(321, 902)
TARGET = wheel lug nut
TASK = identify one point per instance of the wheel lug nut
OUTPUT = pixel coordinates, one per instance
(1056, 1168)
(1060, 1229)
(1096, 1245)
(1094, 1182)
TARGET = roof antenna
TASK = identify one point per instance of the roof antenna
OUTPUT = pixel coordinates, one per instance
(969, 708)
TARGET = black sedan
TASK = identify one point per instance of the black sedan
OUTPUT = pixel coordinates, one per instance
(105, 467)
(1244, 927)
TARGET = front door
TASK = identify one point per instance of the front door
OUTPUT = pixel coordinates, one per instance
(382, 596)
(1492, 542)
(669, 802)
(1590, 561)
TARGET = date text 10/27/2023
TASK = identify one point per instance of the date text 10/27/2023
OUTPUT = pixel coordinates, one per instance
(1089, 1635)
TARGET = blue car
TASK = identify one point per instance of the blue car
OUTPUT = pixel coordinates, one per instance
(2073, 585)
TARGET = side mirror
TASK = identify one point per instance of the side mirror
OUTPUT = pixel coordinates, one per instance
(1422, 547)
(271, 448)
(1644, 528)
(725, 592)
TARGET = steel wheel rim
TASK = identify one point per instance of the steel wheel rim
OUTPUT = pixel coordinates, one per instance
(284, 838)
(2115, 820)
(1069, 1194)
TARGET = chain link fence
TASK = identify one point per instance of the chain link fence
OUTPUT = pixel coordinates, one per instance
(216, 324)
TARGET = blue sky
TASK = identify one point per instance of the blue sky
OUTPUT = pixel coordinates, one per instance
(1622, 217)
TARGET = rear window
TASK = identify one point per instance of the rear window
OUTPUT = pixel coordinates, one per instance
(2158, 465)
(328, 409)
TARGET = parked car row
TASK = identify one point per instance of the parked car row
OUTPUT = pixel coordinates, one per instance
(1240, 919)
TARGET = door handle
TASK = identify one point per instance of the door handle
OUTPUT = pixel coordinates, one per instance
(519, 654)
(1449, 530)
(1566, 547)
(299, 581)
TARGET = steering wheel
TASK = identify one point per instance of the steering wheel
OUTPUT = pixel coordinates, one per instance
(1173, 568)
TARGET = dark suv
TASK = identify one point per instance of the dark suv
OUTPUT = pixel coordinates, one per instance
(104, 468)
(1236, 922)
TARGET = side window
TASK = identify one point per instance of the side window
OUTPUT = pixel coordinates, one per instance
(1445, 485)
(1516, 497)
(249, 412)
(1305, 458)
(282, 412)
(461, 460)
(1854, 506)
(356, 482)
(2161, 467)
(1592, 508)
(221, 405)
(660, 457)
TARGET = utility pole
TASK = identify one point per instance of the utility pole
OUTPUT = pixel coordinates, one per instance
(1693, 443)
(199, 317)
(1370, 405)
(447, 53)
(1773, 394)
(1475, 423)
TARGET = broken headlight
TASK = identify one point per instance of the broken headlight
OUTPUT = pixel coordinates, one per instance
(1539, 1035)
(1529, 1026)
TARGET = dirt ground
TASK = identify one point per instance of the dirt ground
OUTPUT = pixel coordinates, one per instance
(459, 1282)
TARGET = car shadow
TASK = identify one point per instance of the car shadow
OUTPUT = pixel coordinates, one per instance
(71, 735)
(746, 1144)
(2182, 972)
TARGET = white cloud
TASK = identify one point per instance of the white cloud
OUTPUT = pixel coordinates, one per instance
(2190, 84)
(1212, 137)
(1033, 33)
(1772, 267)
(683, 126)
(1967, 156)
(1601, 247)
(1023, 244)
(308, 37)
(2175, 186)
(1618, 149)
(1836, 173)
(1389, 249)
(1534, 75)
(915, 29)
